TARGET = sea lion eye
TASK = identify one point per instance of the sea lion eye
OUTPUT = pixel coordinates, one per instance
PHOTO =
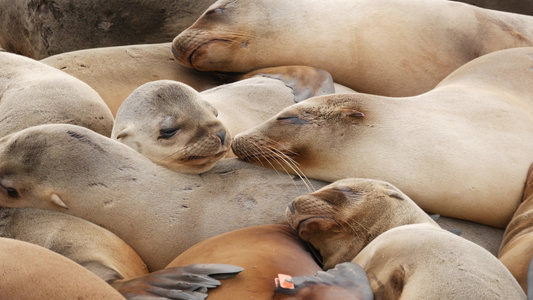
(293, 120)
(167, 133)
(11, 192)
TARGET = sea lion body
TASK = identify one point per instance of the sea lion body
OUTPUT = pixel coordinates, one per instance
(343, 38)
(516, 250)
(38, 29)
(91, 246)
(158, 212)
(33, 93)
(34, 272)
(406, 254)
(115, 72)
(447, 149)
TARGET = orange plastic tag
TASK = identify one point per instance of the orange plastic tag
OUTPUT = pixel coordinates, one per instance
(284, 281)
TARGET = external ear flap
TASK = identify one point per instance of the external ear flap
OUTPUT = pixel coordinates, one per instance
(351, 112)
(395, 194)
(55, 199)
(123, 133)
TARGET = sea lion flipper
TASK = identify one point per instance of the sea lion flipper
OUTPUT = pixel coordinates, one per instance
(181, 282)
(305, 81)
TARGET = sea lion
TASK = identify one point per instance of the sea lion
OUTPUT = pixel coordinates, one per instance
(264, 252)
(34, 272)
(397, 57)
(405, 254)
(115, 72)
(33, 93)
(186, 131)
(38, 29)
(516, 250)
(448, 149)
(91, 246)
(158, 212)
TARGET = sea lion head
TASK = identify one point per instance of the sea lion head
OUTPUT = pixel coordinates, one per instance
(41, 166)
(227, 36)
(340, 219)
(170, 123)
(300, 136)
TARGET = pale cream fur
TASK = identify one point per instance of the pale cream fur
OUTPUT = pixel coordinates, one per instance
(457, 150)
(414, 45)
(34, 93)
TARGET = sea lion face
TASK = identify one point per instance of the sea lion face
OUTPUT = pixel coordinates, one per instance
(343, 217)
(227, 37)
(295, 139)
(172, 125)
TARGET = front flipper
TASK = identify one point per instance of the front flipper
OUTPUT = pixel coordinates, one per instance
(345, 281)
(305, 81)
(183, 282)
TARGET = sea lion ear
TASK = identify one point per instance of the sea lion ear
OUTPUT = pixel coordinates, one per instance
(123, 133)
(350, 112)
(56, 200)
(395, 194)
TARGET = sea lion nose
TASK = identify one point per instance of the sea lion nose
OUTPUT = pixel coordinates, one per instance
(291, 207)
(222, 136)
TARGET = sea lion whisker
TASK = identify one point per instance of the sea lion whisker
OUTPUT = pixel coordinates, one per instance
(295, 169)
(294, 166)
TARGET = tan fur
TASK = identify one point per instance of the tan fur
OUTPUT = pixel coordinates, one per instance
(398, 56)
(38, 29)
(447, 149)
(421, 261)
(33, 272)
(170, 123)
(158, 212)
(516, 250)
(405, 254)
(115, 72)
(207, 120)
(91, 246)
(33, 93)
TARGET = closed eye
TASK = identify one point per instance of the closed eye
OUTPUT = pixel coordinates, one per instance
(293, 120)
(167, 133)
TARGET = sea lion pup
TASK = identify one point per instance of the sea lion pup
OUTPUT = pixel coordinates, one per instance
(115, 72)
(34, 272)
(397, 57)
(33, 93)
(405, 254)
(38, 29)
(450, 161)
(264, 252)
(516, 250)
(158, 212)
(186, 131)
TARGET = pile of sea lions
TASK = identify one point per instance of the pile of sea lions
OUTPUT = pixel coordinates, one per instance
(266, 149)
